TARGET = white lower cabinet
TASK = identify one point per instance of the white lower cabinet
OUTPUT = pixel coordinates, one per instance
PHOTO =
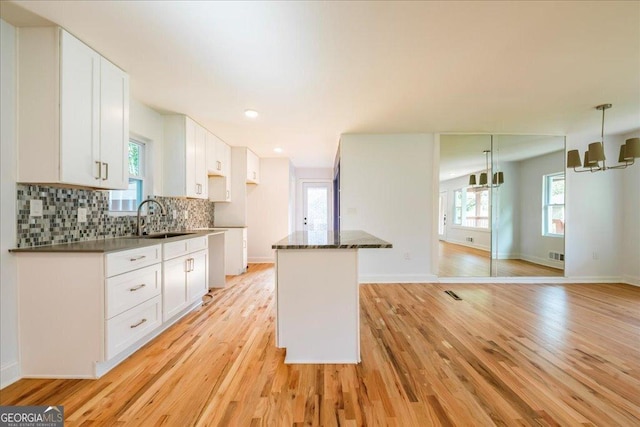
(174, 286)
(184, 275)
(82, 313)
(235, 250)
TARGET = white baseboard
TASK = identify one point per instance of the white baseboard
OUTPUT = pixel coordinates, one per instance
(595, 279)
(541, 280)
(398, 278)
(261, 260)
(9, 374)
(631, 280)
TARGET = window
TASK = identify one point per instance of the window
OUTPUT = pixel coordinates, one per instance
(471, 207)
(553, 201)
(129, 199)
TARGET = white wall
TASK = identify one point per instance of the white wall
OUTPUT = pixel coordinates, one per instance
(9, 353)
(630, 237)
(309, 175)
(387, 189)
(268, 209)
(534, 246)
(146, 124)
(506, 210)
(455, 233)
(594, 213)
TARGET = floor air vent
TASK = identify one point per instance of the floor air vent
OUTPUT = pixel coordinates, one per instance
(453, 295)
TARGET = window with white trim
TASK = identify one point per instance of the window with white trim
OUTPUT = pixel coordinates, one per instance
(471, 207)
(129, 199)
(553, 205)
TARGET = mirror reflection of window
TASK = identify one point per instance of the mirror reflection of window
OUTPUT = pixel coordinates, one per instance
(553, 213)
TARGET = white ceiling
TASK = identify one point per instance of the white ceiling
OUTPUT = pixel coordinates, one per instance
(315, 70)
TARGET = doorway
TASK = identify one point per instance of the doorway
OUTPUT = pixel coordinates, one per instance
(317, 206)
(442, 216)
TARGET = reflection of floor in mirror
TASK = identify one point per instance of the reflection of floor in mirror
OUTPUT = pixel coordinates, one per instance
(463, 261)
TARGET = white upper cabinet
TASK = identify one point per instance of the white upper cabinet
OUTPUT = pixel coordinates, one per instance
(185, 171)
(74, 112)
(218, 169)
(218, 156)
(253, 168)
(114, 126)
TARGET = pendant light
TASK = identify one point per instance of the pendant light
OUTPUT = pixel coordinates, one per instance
(496, 180)
(594, 158)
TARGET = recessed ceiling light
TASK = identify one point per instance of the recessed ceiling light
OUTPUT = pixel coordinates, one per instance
(277, 150)
(252, 114)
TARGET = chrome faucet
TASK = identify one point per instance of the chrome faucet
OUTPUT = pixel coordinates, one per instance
(162, 208)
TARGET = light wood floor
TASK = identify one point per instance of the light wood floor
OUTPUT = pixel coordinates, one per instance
(463, 261)
(525, 355)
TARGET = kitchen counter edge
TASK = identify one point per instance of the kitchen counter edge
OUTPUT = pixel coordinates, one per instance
(115, 244)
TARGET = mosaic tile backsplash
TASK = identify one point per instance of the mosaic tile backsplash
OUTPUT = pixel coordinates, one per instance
(59, 220)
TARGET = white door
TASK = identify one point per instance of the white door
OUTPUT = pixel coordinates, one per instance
(442, 216)
(317, 206)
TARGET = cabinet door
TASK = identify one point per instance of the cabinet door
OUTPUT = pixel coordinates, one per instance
(174, 287)
(253, 168)
(226, 171)
(79, 112)
(201, 162)
(244, 250)
(213, 166)
(197, 276)
(114, 126)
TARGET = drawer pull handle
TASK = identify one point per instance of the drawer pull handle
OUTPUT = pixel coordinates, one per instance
(138, 258)
(138, 324)
(135, 288)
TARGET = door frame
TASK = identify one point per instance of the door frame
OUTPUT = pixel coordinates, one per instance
(443, 210)
(300, 201)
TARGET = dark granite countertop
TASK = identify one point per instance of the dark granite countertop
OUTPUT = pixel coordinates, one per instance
(115, 244)
(345, 239)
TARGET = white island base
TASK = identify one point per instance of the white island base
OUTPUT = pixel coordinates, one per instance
(318, 305)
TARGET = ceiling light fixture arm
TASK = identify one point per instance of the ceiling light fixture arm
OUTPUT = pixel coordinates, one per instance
(629, 151)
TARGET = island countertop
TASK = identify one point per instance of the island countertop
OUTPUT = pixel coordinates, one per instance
(344, 239)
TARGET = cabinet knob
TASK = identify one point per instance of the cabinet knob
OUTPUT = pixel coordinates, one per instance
(99, 174)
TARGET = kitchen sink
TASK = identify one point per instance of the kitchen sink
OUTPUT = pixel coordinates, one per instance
(165, 235)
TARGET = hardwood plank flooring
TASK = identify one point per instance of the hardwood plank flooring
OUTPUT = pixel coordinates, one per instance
(506, 354)
(464, 261)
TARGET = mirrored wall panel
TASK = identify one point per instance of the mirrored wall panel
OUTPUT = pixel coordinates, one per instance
(501, 210)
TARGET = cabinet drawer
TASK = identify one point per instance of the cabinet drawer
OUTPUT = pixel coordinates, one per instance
(128, 327)
(121, 262)
(130, 289)
(198, 243)
(185, 246)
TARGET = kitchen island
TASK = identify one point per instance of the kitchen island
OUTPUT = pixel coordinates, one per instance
(317, 300)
